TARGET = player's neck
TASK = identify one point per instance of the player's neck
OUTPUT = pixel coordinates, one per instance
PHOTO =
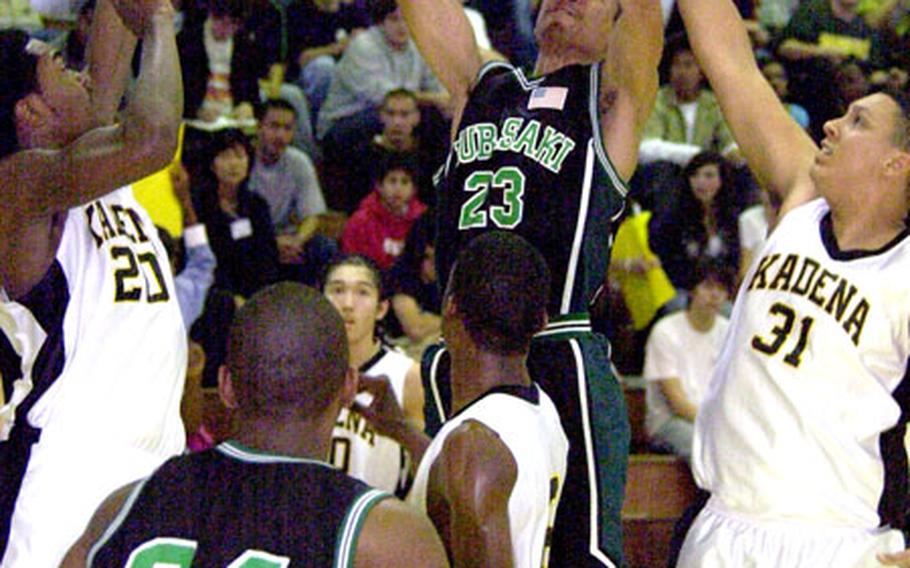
(856, 232)
(286, 436)
(473, 374)
(555, 59)
(363, 351)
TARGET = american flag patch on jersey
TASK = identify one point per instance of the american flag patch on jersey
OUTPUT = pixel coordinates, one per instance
(548, 97)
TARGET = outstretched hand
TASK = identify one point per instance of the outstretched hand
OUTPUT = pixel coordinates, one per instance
(383, 412)
(136, 14)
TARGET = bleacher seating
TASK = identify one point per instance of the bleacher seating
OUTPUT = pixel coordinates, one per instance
(659, 488)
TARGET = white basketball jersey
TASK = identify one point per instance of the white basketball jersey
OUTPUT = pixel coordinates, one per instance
(356, 447)
(800, 422)
(104, 384)
(527, 423)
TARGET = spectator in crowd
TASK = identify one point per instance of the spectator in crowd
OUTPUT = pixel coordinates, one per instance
(686, 120)
(776, 74)
(194, 263)
(821, 35)
(220, 63)
(754, 225)
(400, 116)
(892, 19)
(354, 285)
(680, 355)
(703, 223)
(378, 228)
(320, 31)
(377, 61)
(416, 302)
(832, 30)
(646, 291)
(286, 179)
(850, 83)
(237, 220)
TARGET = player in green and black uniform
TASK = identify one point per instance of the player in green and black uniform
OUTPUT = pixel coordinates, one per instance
(266, 498)
(545, 156)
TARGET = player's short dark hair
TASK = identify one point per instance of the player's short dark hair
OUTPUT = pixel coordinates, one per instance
(711, 269)
(380, 10)
(500, 285)
(348, 259)
(400, 92)
(265, 106)
(18, 77)
(287, 350)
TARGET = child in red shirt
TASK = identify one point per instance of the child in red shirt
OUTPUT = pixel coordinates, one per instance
(381, 223)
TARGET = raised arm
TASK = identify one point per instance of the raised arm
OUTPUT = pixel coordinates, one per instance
(630, 80)
(109, 55)
(446, 41)
(779, 152)
(106, 158)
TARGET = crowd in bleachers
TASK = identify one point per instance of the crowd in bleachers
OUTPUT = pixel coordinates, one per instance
(314, 127)
(357, 95)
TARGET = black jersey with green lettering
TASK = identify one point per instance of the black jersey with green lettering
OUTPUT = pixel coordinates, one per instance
(529, 157)
(232, 506)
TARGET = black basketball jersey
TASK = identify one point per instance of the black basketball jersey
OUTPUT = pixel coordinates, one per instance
(232, 506)
(529, 157)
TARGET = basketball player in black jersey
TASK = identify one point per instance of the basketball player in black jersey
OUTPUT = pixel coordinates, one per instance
(267, 494)
(547, 156)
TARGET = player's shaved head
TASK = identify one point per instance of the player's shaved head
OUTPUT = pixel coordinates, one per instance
(287, 350)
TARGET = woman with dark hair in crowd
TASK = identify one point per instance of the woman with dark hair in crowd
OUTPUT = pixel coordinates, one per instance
(237, 220)
(703, 224)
